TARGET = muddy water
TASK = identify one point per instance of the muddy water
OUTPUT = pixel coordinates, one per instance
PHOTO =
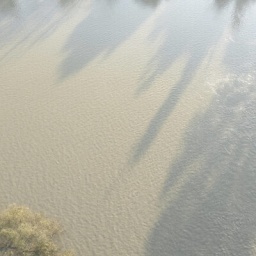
(132, 122)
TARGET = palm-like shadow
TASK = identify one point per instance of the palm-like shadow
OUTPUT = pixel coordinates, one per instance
(239, 9)
(193, 31)
(240, 54)
(213, 182)
(108, 24)
(8, 10)
(35, 20)
(185, 33)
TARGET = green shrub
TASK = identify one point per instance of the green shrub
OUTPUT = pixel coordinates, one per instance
(25, 233)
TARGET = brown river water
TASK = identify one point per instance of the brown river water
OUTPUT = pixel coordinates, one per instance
(132, 122)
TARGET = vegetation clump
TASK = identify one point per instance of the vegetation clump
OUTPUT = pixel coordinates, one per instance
(26, 233)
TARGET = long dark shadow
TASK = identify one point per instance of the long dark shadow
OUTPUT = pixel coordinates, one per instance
(108, 24)
(239, 9)
(165, 110)
(189, 35)
(239, 57)
(185, 31)
(213, 210)
(23, 21)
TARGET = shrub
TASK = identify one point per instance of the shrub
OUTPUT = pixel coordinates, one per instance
(25, 233)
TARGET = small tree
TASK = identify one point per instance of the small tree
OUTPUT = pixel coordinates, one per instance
(25, 233)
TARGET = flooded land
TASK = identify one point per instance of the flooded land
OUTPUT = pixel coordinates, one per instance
(133, 122)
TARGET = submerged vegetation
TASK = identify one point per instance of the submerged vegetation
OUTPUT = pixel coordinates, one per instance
(26, 233)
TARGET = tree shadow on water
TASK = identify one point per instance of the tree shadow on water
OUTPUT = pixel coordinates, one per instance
(108, 24)
(210, 192)
(25, 23)
(240, 54)
(7, 5)
(187, 29)
(239, 9)
(187, 33)
(164, 111)
(150, 3)
(8, 10)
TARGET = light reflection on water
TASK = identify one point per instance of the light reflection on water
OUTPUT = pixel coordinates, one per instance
(212, 212)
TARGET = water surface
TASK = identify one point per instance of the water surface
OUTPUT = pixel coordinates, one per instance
(132, 122)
